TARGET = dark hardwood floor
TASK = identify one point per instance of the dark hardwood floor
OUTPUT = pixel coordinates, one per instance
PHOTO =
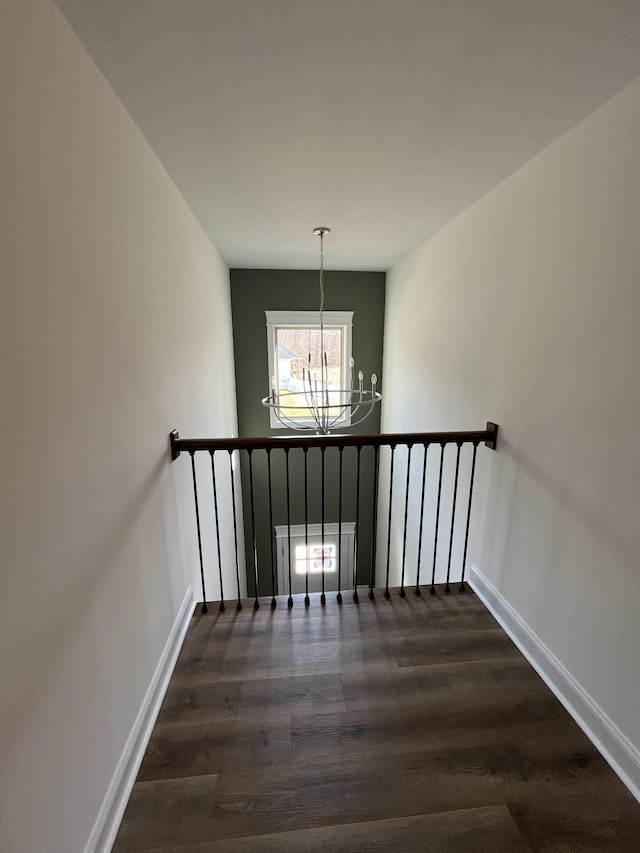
(403, 725)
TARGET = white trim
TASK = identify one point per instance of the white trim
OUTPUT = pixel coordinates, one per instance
(613, 744)
(301, 319)
(112, 809)
(331, 528)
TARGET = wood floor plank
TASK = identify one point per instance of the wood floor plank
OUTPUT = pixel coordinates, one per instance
(204, 748)
(394, 730)
(351, 625)
(331, 725)
(454, 683)
(482, 830)
(534, 770)
(168, 812)
(321, 658)
(441, 646)
(266, 699)
(200, 702)
(596, 820)
(269, 698)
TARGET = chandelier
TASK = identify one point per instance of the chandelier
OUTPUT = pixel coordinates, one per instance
(319, 406)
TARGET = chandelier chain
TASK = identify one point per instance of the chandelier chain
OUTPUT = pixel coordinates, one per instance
(321, 274)
(322, 296)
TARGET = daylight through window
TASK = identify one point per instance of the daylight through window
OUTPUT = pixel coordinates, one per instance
(295, 350)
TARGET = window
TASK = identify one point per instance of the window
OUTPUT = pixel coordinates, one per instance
(294, 342)
(315, 558)
(307, 547)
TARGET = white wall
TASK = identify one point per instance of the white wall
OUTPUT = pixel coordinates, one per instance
(526, 310)
(115, 328)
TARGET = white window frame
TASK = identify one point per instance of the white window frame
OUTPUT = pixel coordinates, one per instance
(309, 320)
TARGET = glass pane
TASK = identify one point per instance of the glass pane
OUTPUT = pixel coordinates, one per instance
(312, 561)
(300, 350)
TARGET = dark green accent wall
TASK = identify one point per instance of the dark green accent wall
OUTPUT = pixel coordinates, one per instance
(252, 293)
(255, 291)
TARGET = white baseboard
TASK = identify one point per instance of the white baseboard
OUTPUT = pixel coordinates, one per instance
(110, 815)
(613, 744)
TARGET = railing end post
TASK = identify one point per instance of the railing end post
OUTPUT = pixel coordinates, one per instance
(492, 432)
(174, 437)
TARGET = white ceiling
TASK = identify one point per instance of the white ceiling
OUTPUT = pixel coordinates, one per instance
(383, 119)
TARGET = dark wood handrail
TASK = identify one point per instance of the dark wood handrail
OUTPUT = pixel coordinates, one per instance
(489, 436)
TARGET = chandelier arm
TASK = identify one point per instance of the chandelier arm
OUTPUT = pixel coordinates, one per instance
(283, 421)
(308, 395)
(306, 398)
(323, 422)
(282, 418)
(354, 407)
(317, 407)
(341, 415)
(289, 423)
(369, 404)
(314, 399)
(341, 418)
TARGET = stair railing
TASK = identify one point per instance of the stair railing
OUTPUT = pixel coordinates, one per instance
(408, 502)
